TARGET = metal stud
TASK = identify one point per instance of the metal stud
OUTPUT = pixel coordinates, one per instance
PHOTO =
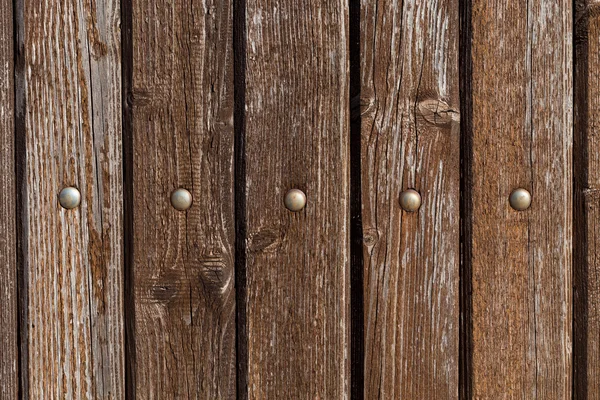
(410, 200)
(295, 200)
(520, 199)
(69, 198)
(181, 199)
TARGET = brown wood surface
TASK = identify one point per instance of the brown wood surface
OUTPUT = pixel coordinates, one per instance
(521, 261)
(586, 346)
(74, 262)
(183, 262)
(297, 126)
(410, 140)
(8, 272)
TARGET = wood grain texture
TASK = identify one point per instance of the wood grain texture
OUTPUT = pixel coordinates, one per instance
(8, 272)
(521, 261)
(297, 124)
(183, 271)
(410, 139)
(74, 260)
(586, 347)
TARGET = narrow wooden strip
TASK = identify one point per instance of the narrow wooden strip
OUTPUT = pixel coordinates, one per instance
(297, 127)
(74, 257)
(410, 140)
(183, 261)
(586, 264)
(522, 137)
(8, 272)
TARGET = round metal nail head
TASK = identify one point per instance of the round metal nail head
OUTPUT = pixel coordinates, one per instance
(69, 198)
(181, 199)
(410, 200)
(295, 200)
(520, 199)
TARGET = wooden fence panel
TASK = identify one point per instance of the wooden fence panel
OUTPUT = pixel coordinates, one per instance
(8, 272)
(72, 280)
(410, 140)
(521, 137)
(183, 261)
(586, 346)
(297, 136)
(73, 258)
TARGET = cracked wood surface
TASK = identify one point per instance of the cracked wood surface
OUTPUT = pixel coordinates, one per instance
(8, 272)
(297, 126)
(521, 261)
(586, 346)
(183, 326)
(410, 140)
(73, 259)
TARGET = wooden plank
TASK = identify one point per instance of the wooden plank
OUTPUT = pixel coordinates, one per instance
(410, 140)
(8, 272)
(183, 262)
(586, 349)
(74, 258)
(296, 130)
(521, 261)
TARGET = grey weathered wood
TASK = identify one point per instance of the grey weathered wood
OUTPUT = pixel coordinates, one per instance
(74, 259)
(521, 261)
(183, 262)
(410, 139)
(297, 125)
(8, 271)
(586, 263)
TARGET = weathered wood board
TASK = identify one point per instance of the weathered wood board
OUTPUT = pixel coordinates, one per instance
(297, 136)
(410, 140)
(183, 293)
(521, 261)
(8, 243)
(73, 333)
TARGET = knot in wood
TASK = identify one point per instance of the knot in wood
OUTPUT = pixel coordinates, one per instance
(437, 112)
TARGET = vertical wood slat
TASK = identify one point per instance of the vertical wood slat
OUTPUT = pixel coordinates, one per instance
(521, 137)
(410, 139)
(586, 263)
(8, 274)
(74, 260)
(296, 132)
(183, 273)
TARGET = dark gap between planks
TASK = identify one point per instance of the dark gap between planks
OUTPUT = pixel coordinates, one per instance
(356, 229)
(239, 87)
(580, 184)
(466, 159)
(20, 196)
(127, 148)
